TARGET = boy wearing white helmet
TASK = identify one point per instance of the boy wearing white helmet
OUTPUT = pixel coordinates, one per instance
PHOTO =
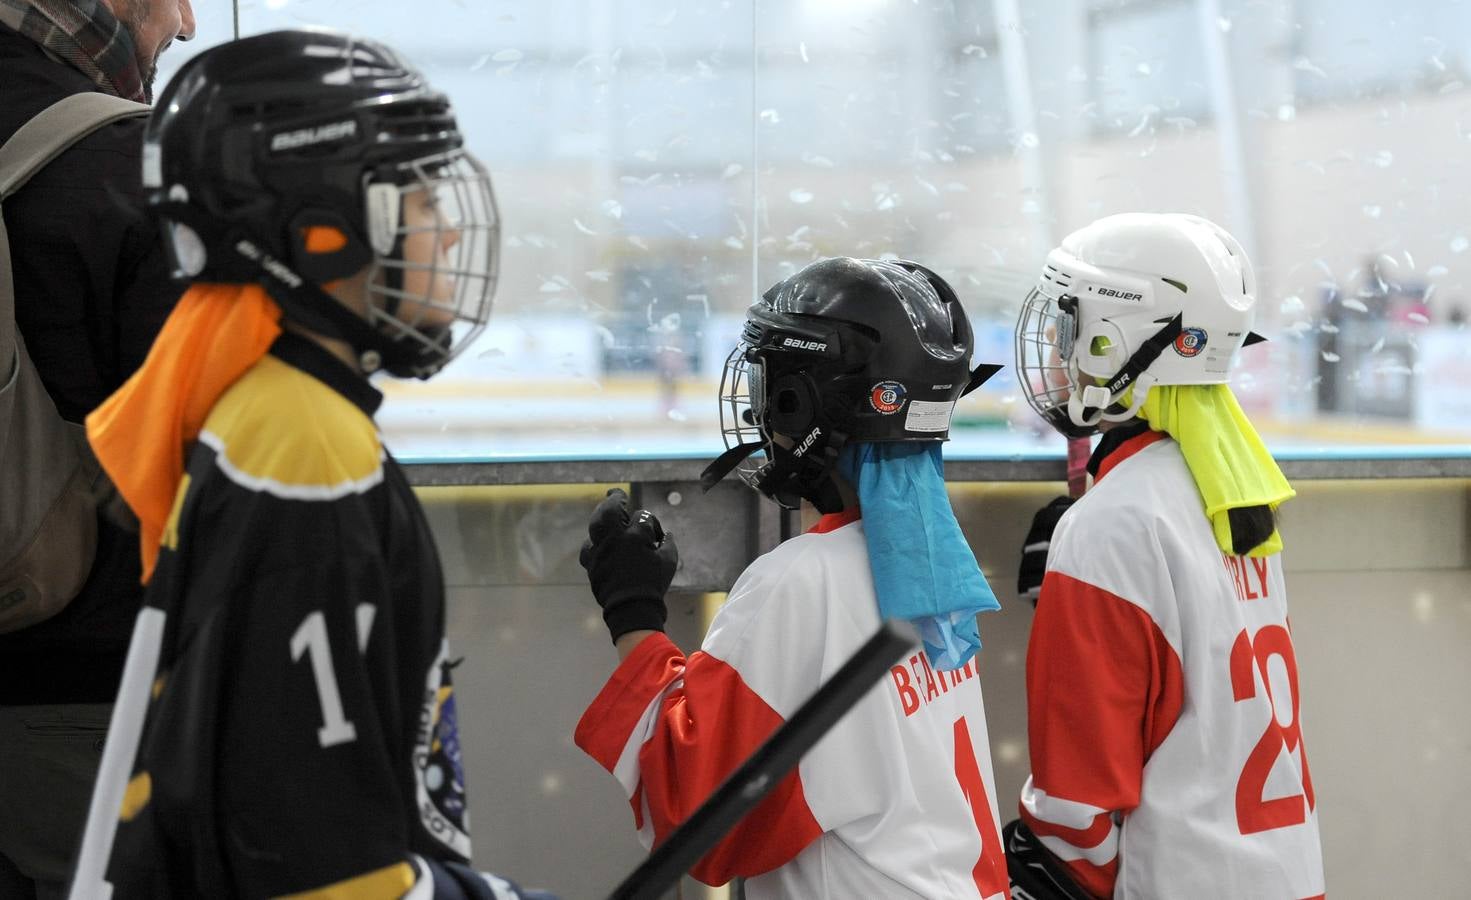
(1162, 686)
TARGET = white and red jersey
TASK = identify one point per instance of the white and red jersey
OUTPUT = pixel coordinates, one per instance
(896, 801)
(1162, 699)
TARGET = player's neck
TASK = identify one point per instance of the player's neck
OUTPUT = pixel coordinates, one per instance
(341, 349)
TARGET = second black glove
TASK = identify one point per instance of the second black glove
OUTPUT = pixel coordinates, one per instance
(1034, 549)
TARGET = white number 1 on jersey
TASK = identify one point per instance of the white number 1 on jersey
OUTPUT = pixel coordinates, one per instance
(311, 638)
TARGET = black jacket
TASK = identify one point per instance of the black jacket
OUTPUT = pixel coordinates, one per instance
(92, 290)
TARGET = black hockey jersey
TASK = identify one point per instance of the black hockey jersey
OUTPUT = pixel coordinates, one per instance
(302, 734)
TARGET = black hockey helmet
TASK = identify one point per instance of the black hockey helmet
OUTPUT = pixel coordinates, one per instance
(846, 350)
(290, 158)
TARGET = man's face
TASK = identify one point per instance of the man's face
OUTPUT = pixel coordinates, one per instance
(154, 25)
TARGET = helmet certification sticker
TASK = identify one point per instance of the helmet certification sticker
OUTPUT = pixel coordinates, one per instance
(1190, 342)
(887, 397)
(929, 415)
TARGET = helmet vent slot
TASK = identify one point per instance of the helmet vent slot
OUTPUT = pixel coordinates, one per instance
(1052, 274)
(1184, 289)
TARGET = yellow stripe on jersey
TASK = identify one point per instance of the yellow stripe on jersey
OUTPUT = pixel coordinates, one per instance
(283, 432)
(136, 796)
(171, 527)
(391, 881)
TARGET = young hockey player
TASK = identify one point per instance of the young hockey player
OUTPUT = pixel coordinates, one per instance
(301, 737)
(1162, 687)
(846, 376)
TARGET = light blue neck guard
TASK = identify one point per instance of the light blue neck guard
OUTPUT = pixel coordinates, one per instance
(923, 569)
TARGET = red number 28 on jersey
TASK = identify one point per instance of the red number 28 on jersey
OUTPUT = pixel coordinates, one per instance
(1254, 813)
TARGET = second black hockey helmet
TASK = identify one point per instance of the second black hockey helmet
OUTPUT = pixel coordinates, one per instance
(846, 350)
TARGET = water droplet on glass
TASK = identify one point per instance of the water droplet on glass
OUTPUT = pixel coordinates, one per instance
(732, 170)
(1418, 318)
(1330, 357)
(1029, 140)
(1384, 159)
(1224, 24)
(802, 51)
(507, 56)
(1373, 210)
(800, 195)
(1355, 305)
(1459, 244)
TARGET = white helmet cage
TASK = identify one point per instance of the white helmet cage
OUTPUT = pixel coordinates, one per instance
(1131, 301)
(433, 274)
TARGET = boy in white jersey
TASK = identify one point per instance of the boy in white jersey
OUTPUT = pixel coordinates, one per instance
(846, 377)
(1162, 687)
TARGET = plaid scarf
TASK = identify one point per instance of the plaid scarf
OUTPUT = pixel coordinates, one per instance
(86, 34)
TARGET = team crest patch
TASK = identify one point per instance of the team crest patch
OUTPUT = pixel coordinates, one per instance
(887, 397)
(1190, 342)
(439, 766)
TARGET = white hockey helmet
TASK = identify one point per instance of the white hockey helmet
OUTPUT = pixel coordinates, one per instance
(1132, 301)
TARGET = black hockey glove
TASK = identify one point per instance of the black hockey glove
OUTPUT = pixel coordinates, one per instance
(1035, 873)
(630, 562)
(1034, 549)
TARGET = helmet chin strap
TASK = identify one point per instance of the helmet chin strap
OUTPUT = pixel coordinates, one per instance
(1096, 403)
(795, 473)
(314, 308)
(727, 461)
(800, 472)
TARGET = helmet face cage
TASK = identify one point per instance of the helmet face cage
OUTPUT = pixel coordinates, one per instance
(742, 402)
(1045, 335)
(436, 257)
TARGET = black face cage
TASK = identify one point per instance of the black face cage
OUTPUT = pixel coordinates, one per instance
(433, 290)
(742, 395)
(1045, 333)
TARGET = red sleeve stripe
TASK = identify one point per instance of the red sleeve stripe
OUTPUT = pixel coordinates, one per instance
(1098, 830)
(1104, 689)
(703, 733)
(671, 730)
(622, 714)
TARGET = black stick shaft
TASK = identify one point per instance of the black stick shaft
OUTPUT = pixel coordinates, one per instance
(768, 765)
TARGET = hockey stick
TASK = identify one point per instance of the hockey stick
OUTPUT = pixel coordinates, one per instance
(118, 753)
(768, 764)
(1077, 466)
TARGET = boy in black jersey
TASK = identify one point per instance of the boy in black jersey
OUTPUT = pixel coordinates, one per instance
(299, 737)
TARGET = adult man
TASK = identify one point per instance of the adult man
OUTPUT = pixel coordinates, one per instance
(1162, 688)
(92, 290)
(301, 734)
(846, 376)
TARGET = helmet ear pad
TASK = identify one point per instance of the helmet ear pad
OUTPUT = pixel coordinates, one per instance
(792, 403)
(323, 246)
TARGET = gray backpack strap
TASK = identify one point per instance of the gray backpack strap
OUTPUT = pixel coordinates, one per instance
(56, 128)
(48, 476)
(37, 143)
